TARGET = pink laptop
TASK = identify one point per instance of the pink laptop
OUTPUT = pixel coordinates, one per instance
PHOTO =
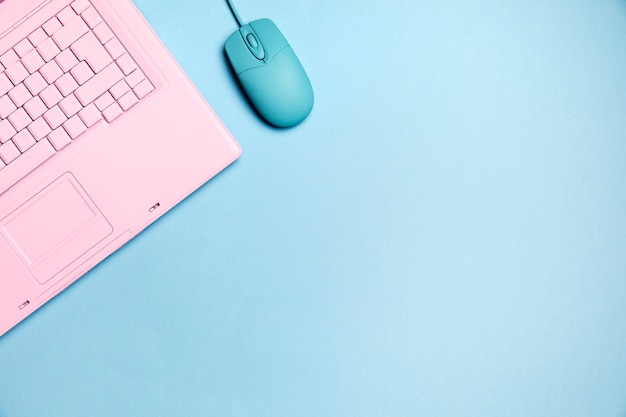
(100, 134)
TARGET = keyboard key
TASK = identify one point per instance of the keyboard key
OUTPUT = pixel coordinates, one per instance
(81, 73)
(66, 60)
(59, 139)
(89, 49)
(16, 73)
(143, 89)
(128, 100)
(100, 83)
(20, 95)
(39, 129)
(112, 112)
(119, 89)
(6, 107)
(114, 48)
(51, 26)
(19, 119)
(91, 17)
(48, 49)
(51, 72)
(70, 33)
(90, 115)
(8, 58)
(30, 160)
(35, 83)
(126, 64)
(5, 84)
(37, 37)
(66, 84)
(24, 140)
(66, 15)
(51, 96)
(80, 5)
(70, 105)
(35, 108)
(104, 101)
(74, 127)
(23, 47)
(103, 33)
(54, 117)
(33, 61)
(135, 78)
(8, 153)
(7, 131)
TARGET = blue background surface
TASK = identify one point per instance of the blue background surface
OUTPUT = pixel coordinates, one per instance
(444, 236)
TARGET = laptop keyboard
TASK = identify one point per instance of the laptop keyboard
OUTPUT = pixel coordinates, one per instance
(59, 82)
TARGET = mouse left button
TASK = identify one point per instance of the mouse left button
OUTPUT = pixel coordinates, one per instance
(239, 55)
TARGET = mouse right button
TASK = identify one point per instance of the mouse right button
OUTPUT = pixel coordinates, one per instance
(273, 40)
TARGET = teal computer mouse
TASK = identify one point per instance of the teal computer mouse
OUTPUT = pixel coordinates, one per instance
(270, 73)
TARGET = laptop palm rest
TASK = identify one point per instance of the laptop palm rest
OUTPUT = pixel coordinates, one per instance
(55, 227)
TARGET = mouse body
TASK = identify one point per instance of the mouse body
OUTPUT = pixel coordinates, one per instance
(270, 73)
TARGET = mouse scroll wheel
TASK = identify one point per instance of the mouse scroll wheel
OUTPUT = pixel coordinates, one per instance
(255, 46)
(252, 40)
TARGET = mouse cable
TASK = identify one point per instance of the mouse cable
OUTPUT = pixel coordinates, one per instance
(235, 13)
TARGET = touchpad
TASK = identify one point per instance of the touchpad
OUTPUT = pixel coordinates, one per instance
(55, 227)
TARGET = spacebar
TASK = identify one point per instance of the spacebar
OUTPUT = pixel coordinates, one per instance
(24, 164)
